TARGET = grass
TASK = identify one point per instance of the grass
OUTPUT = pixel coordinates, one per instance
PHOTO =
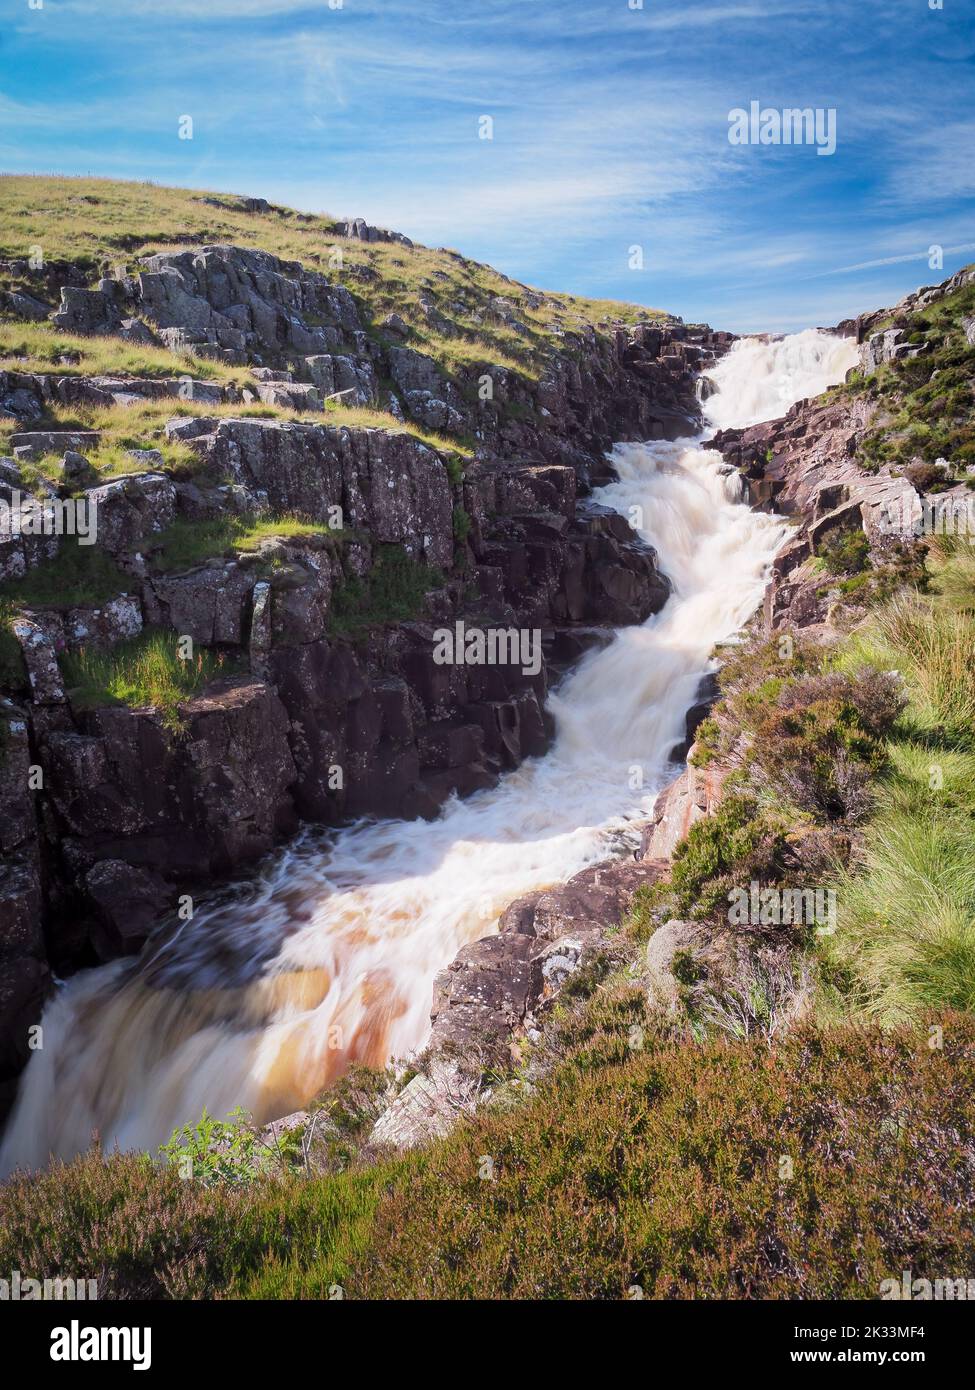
(906, 929)
(145, 671)
(366, 418)
(392, 592)
(905, 940)
(11, 662)
(143, 426)
(187, 543)
(80, 577)
(816, 1166)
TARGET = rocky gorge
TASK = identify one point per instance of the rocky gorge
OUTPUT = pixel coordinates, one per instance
(303, 516)
(111, 813)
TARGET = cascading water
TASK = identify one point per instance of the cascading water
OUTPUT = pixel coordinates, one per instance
(330, 956)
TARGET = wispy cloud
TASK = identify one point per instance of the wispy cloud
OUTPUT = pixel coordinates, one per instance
(610, 129)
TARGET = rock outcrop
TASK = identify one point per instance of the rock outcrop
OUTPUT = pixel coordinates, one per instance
(303, 330)
(498, 991)
(804, 466)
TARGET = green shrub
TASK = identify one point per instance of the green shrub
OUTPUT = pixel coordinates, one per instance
(462, 525)
(737, 844)
(845, 552)
(707, 742)
(392, 592)
(225, 1151)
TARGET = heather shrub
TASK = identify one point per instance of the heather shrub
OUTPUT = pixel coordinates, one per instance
(815, 1164)
(925, 477)
(144, 1232)
(845, 552)
(740, 842)
(816, 1167)
(801, 733)
(814, 749)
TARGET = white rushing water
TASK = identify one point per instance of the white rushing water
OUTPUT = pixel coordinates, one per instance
(330, 957)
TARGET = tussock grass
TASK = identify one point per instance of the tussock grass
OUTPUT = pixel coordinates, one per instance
(933, 646)
(145, 671)
(906, 906)
(906, 916)
(952, 559)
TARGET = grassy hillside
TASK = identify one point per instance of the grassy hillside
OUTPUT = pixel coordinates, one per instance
(100, 224)
(926, 403)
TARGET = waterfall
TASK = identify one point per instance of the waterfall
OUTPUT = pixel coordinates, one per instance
(330, 955)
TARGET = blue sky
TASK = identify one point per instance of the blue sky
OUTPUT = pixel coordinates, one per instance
(610, 130)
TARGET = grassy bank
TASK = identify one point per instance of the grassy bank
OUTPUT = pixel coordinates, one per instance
(906, 937)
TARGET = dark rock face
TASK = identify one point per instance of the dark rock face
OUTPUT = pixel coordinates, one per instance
(25, 977)
(133, 815)
(201, 803)
(494, 986)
